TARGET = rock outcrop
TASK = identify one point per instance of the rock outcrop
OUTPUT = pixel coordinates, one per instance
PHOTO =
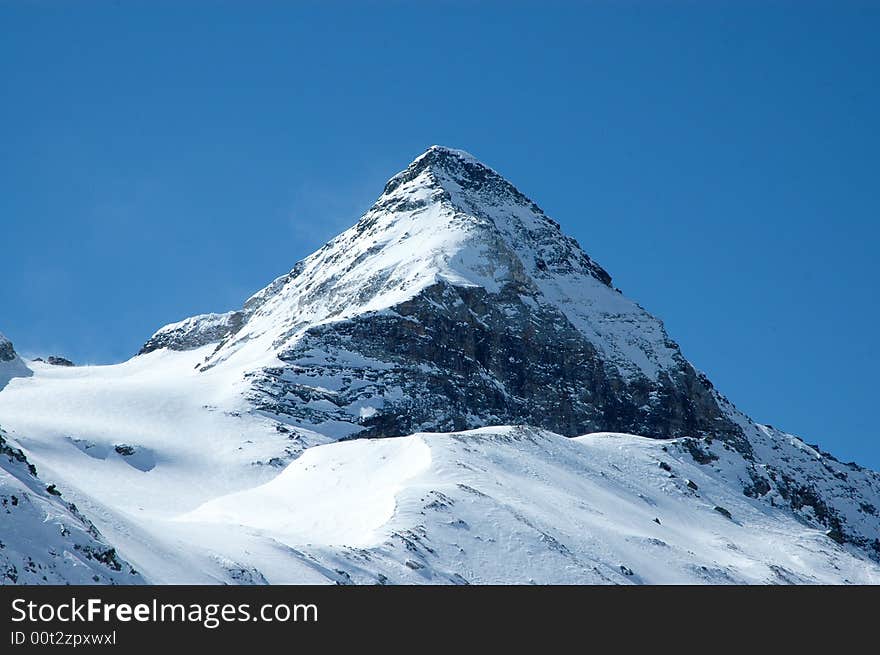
(194, 332)
(11, 365)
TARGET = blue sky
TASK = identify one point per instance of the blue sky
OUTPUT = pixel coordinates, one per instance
(720, 159)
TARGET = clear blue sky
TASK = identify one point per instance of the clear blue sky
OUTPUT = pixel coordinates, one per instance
(720, 159)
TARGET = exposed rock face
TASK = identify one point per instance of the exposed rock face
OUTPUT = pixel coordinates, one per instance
(456, 303)
(11, 365)
(59, 361)
(45, 539)
(7, 352)
(456, 358)
(194, 332)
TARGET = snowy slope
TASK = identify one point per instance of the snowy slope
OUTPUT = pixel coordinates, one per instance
(502, 505)
(509, 505)
(149, 428)
(136, 444)
(45, 539)
(196, 505)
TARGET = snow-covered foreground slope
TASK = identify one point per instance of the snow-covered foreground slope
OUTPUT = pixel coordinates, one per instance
(519, 505)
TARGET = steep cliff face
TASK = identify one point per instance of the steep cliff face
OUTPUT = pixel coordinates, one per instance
(457, 358)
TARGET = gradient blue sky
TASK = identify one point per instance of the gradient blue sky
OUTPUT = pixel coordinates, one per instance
(720, 159)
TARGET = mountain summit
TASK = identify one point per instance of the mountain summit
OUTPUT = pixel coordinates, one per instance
(480, 310)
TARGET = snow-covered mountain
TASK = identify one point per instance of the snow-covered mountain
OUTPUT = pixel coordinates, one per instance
(454, 304)
(470, 302)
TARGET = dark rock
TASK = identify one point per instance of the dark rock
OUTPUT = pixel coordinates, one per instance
(759, 487)
(723, 511)
(699, 455)
(107, 556)
(7, 352)
(58, 361)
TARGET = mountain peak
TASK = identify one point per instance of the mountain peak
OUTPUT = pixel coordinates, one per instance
(436, 159)
(438, 154)
(447, 219)
(446, 151)
(459, 176)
